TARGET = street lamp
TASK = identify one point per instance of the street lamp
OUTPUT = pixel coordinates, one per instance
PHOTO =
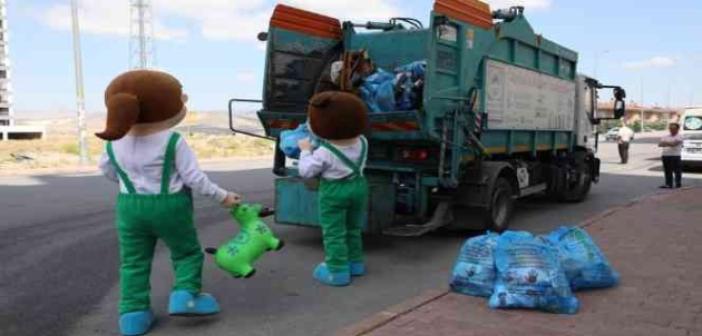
(597, 56)
(80, 96)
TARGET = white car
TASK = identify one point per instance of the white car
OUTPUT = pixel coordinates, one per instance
(612, 134)
(691, 131)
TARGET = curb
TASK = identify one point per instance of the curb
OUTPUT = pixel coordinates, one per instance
(387, 315)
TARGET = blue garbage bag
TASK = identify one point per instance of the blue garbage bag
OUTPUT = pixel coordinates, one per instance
(409, 82)
(474, 270)
(405, 97)
(582, 260)
(289, 139)
(529, 275)
(417, 69)
(378, 91)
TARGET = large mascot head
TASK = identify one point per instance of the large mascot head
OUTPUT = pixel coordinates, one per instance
(143, 100)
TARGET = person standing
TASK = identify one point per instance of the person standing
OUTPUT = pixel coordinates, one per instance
(624, 137)
(671, 145)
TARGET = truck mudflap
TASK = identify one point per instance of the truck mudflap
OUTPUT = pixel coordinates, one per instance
(296, 203)
(595, 162)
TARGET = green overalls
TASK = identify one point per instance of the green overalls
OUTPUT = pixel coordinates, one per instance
(342, 211)
(141, 220)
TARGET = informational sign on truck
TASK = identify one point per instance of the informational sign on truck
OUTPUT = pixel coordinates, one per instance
(518, 98)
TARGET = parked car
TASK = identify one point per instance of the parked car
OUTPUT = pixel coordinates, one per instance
(692, 133)
(612, 134)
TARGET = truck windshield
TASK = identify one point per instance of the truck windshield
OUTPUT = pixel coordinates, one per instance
(693, 123)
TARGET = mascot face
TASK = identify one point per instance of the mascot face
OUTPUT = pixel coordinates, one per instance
(146, 99)
(336, 115)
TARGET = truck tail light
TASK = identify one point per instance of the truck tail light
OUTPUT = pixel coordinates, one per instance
(414, 154)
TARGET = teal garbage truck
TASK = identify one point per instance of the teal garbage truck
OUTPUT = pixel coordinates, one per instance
(501, 114)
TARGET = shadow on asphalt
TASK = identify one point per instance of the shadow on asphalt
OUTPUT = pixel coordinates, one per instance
(695, 171)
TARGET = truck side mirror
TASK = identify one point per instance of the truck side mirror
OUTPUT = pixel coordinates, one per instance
(619, 109)
(619, 104)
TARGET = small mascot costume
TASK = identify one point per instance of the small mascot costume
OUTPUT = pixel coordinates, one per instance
(338, 119)
(156, 171)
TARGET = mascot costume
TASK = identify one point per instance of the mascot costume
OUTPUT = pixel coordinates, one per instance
(338, 119)
(156, 171)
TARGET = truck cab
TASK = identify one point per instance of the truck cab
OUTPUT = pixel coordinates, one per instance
(691, 131)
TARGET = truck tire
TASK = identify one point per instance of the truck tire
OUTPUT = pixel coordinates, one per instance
(501, 207)
(577, 189)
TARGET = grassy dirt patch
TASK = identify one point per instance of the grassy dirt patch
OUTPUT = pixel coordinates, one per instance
(62, 151)
(59, 148)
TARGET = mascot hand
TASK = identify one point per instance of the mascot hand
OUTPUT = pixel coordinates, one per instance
(304, 144)
(231, 200)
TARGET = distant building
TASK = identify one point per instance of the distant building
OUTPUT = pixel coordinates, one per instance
(8, 129)
(651, 114)
(5, 87)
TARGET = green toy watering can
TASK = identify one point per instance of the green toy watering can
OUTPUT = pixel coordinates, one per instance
(238, 255)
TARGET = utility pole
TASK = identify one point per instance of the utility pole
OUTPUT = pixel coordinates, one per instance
(692, 98)
(141, 29)
(80, 96)
(597, 59)
(642, 106)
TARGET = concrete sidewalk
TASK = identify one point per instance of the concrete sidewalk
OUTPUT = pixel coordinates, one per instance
(655, 243)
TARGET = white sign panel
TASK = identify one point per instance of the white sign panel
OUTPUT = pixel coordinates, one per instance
(518, 98)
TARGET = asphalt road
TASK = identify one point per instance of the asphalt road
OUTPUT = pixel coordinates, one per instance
(59, 256)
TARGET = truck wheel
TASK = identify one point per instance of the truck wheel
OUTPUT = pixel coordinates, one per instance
(576, 190)
(501, 207)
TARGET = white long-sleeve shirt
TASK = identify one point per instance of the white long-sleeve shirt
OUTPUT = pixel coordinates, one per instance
(324, 163)
(141, 158)
(672, 150)
(625, 134)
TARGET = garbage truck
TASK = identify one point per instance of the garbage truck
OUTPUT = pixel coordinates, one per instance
(503, 114)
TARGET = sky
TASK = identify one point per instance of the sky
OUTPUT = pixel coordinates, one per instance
(211, 45)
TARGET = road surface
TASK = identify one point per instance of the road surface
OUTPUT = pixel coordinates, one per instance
(59, 256)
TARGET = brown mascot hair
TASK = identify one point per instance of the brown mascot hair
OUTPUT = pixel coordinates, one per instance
(140, 97)
(337, 115)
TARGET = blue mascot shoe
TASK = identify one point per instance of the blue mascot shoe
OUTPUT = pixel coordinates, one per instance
(136, 323)
(184, 303)
(358, 268)
(322, 274)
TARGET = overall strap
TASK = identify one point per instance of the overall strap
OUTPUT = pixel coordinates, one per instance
(168, 163)
(122, 175)
(356, 168)
(364, 154)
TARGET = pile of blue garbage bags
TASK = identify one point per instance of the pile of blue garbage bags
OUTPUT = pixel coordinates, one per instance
(401, 90)
(516, 269)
